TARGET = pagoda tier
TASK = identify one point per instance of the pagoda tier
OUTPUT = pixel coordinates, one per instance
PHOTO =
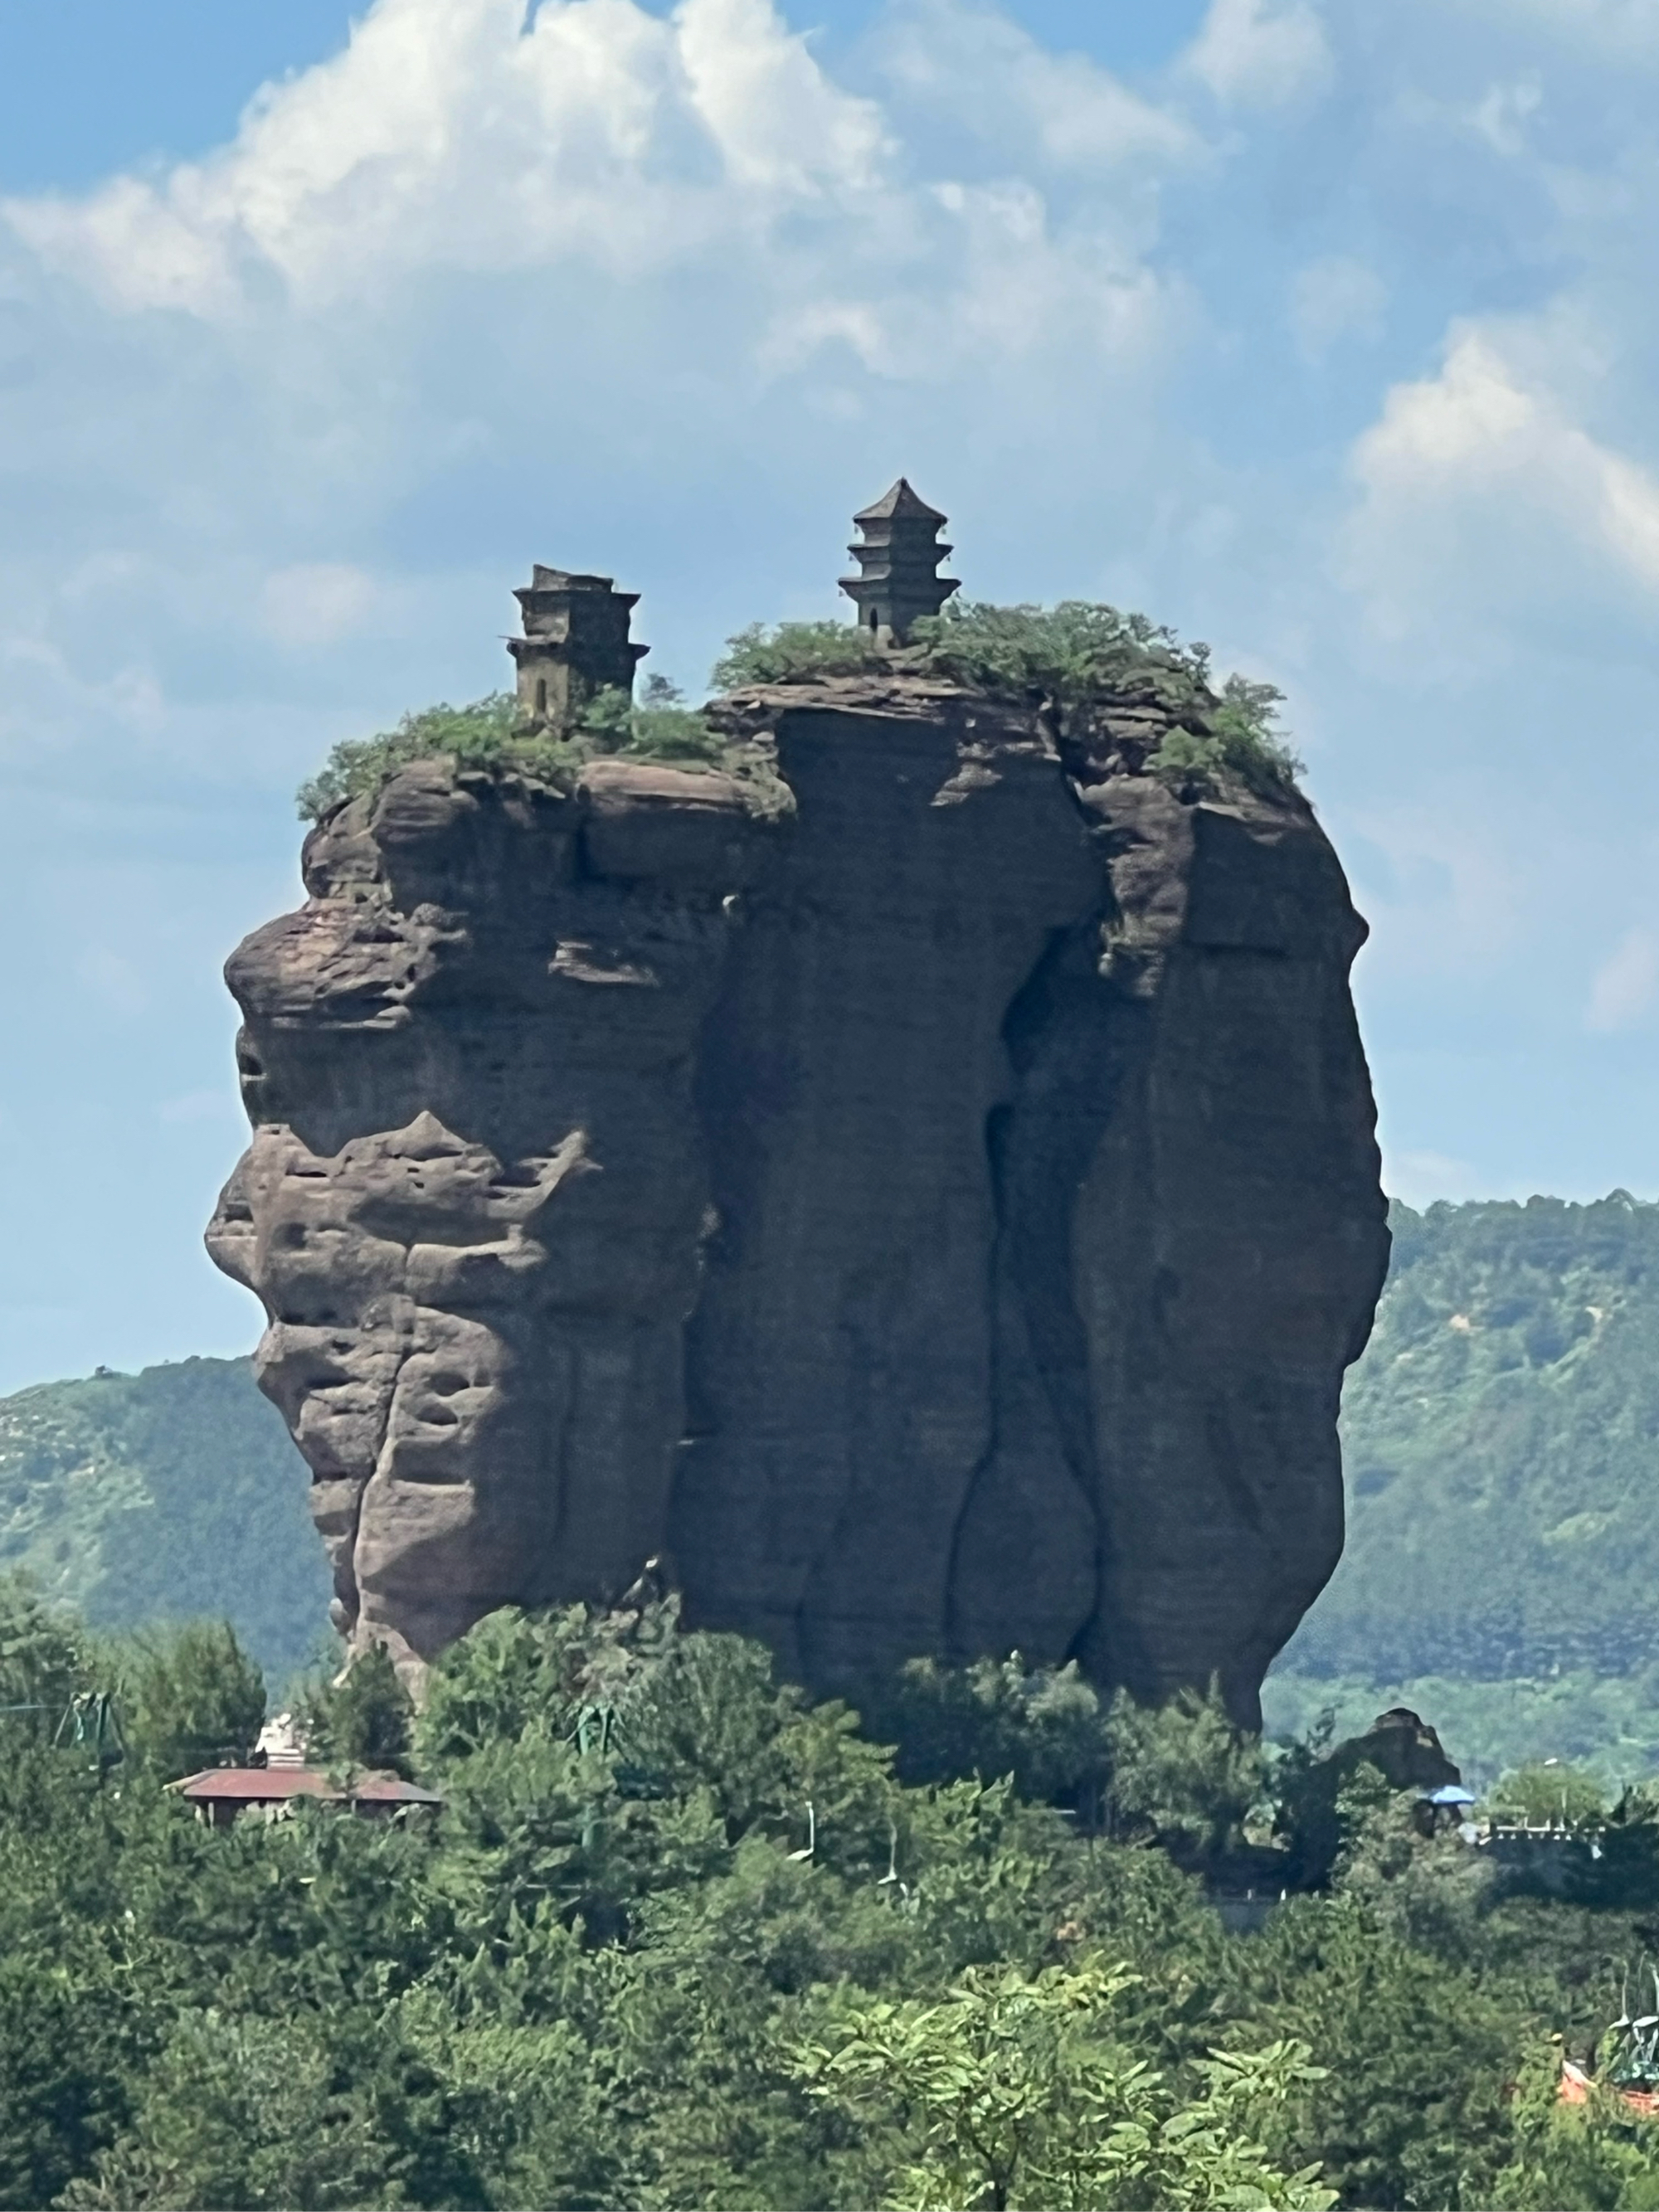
(898, 557)
(576, 644)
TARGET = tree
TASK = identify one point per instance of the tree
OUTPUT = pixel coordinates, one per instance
(1182, 1773)
(1013, 2092)
(366, 1719)
(42, 1659)
(190, 1698)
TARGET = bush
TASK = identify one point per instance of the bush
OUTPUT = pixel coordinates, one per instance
(793, 652)
(190, 1698)
(363, 1719)
(489, 734)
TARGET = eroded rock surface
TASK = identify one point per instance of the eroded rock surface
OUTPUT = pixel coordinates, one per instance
(935, 1214)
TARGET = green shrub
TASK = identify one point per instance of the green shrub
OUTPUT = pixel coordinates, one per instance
(661, 727)
(793, 652)
(365, 1719)
(1077, 657)
(190, 1698)
(488, 734)
(1074, 653)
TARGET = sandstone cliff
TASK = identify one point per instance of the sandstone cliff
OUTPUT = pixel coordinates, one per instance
(935, 1212)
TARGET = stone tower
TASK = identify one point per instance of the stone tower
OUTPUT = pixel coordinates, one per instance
(899, 560)
(575, 645)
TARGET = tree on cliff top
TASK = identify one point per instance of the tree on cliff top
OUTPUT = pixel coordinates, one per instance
(1079, 657)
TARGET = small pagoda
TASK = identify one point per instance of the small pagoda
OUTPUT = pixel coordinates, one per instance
(898, 557)
(575, 645)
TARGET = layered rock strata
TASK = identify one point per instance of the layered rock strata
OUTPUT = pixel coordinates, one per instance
(930, 1198)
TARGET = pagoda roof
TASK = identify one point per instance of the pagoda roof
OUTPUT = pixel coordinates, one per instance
(899, 504)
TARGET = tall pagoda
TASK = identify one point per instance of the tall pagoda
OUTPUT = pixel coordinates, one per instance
(575, 645)
(898, 559)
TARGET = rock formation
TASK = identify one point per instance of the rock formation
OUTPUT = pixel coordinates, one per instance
(934, 1213)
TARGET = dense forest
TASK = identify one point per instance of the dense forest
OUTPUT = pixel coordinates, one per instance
(1501, 1436)
(678, 1937)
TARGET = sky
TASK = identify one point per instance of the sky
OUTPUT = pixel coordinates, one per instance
(1323, 329)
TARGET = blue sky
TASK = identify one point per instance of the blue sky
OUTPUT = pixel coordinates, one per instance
(1325, 331)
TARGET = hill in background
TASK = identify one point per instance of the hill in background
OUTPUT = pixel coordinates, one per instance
(1501, 1436)
(166, 1495)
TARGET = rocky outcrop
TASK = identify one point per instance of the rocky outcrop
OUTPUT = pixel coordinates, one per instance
(934, 1212)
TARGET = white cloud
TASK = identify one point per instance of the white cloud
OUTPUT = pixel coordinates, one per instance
(1251, 53)
(452, 133)
(1627, 983)
(1337, 297)
(1477, 484)
(997, 81)
(316, 602)
(1626, 26)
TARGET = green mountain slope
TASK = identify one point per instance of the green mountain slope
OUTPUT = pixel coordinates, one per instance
(1501, 1438)
(164, 1495)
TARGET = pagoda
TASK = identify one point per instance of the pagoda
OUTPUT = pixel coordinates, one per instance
(575, 645)
(899, 560)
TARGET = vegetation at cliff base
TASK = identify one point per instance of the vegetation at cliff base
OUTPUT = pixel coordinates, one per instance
(680, 1937)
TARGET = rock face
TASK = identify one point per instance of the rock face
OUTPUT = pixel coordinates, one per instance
(935, 1213)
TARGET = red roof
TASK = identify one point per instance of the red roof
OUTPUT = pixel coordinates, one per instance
(270, 1785)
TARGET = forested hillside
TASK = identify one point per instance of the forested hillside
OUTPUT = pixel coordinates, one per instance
(164, 1495)
(1501, 1438)
(1501, 1435)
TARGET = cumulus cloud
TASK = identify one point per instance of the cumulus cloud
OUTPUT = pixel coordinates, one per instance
(462, 133)
(1254, 54)
(1478, 482)
(1003, 87)
(1627, 983)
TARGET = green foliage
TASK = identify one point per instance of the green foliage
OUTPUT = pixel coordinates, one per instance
(487, 733)
(365, 1720)
(175, 1494)
(1501, 1438)
(490, 735)
(1549, 1791)
(793, 652)
(681, 1938)
(1078, 657)
(1587, 2157)
(189, 1698)
(1182, 1775)
(1043, 1726)
(43, 1660)
(1014, 2091)
(307, 2112)
(661, 727)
